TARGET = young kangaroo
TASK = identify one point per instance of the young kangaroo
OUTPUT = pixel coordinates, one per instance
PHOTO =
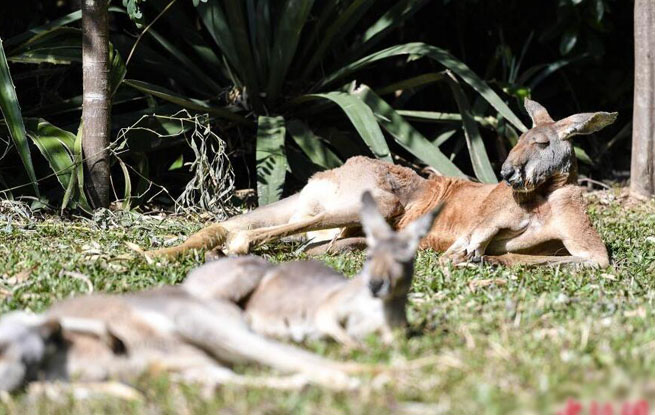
(306, 299)
(536, 213)
(100, 337)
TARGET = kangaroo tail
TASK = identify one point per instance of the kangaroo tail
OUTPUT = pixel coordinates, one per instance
(206, 238)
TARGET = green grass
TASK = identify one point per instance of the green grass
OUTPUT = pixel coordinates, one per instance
(546, 335)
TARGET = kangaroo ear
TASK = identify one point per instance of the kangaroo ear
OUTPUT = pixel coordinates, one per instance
(374, 224)
(585, 123)
(537, 112)
(421, 226)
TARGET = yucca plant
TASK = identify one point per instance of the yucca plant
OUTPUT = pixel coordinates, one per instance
(280, 72)
(283, 66)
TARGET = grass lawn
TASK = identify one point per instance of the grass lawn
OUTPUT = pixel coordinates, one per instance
(523, 345)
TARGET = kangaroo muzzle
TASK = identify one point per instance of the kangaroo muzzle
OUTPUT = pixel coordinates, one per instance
(512, 176)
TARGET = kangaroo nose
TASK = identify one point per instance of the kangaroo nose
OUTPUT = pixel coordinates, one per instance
(375, 286)
(507, 172)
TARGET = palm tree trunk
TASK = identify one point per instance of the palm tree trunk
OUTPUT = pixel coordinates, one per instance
(96, 104)
(642, 180)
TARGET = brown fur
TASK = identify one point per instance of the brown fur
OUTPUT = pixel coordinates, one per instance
(537, 207)
(305, 299)
(166, 329)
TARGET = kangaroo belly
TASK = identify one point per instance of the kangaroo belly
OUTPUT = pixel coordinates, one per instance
(464, 202)
(285, 303)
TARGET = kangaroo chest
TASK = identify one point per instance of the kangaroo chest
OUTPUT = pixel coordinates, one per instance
(528, 228)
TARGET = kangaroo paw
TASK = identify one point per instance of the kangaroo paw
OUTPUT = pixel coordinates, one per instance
(214, 254)
(238, 243)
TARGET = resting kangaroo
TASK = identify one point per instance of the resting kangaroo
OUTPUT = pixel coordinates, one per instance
(536, 213)
(306, 299)
(100, 337)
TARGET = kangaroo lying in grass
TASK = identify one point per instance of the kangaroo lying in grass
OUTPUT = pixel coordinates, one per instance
(306, 299)
(536, 213)
(100, 337)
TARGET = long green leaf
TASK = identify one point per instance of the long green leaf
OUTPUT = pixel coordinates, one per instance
(445, 135)
(259, 30)
(362, 119)
(316, 30)
(395, 16)
(79, 163)
(583, 156)
(186, 29)
(239, 29)
(56, 146)
(444, 58)
(406, 135)
(117, 70)
(198, 73)
(62, 21)
(189, 103)
(479, 158)
(312, 146)
(59, 22)
(413, 82)
(127, 197)
(212, 15)
(444, 117)
(11, 111)
(293, 17)
(337, 30)
(271, 159)
(59, 45)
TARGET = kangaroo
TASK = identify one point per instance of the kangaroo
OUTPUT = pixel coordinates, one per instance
(100, 337)
(306, 299)
(535, 216)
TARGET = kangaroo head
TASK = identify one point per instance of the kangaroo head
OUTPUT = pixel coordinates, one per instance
(390, 255)
(26, 341)
(545, 151)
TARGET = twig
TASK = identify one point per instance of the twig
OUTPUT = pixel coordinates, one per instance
(138, 39)
(592, 181)
(81, 277)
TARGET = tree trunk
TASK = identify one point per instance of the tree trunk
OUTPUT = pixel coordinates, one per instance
(96, 105)
(642, 180)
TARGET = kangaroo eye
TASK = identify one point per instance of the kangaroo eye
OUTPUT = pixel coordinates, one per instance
(541, 140)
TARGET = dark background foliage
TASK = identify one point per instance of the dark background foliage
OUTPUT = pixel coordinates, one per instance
(570, 55)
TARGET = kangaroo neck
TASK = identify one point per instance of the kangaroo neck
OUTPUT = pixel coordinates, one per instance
(556, 181)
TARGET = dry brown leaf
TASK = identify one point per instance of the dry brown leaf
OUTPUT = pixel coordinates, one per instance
(139, 250)
(134, 247)
(20, 277)
(475, 284)
(638, 312)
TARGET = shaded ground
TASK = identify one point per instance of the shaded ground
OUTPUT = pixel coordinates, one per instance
(524, 344)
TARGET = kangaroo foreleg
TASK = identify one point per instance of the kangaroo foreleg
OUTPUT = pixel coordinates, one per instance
(578, 235)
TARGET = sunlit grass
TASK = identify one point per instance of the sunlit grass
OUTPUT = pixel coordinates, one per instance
(523, 345)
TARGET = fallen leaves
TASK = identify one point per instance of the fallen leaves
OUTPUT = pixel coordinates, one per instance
(475, 284)
(20, 277)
